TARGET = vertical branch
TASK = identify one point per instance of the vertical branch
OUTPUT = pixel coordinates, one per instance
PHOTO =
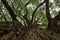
(47, 10)
(50, 20)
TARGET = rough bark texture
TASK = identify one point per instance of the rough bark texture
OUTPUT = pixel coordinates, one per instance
(16, 31)
(25, 33)
(53, 23)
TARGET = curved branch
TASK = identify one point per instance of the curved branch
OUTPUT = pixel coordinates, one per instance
(4, 16)
(9, 9)
(26, 8)
(47, 10)
(27, 21)
(36, 10)
(27, 3)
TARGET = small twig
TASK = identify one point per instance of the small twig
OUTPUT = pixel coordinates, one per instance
(3, 15)
(26, 8)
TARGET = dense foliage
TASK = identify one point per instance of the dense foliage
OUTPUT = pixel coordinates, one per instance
(28, 7)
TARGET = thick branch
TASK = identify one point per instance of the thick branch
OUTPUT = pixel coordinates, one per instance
(47, 10)
(9, 9)
(36, 10)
